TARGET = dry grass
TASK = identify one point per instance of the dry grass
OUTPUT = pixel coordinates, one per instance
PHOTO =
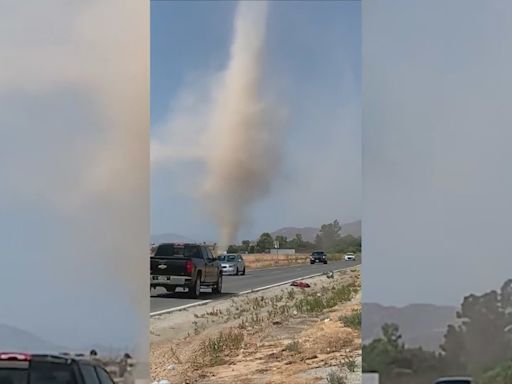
(335, 377)
(217, 349)
(353, 320)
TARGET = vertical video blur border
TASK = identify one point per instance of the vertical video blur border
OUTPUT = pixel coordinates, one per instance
(74, 175)
(437, 185)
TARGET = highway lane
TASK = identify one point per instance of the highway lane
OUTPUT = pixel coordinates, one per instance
(160, 300)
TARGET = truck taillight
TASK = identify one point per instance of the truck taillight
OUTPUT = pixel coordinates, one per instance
(15, 356)
(189, 266)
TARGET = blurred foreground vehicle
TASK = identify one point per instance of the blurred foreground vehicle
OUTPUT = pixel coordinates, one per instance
(23, 368)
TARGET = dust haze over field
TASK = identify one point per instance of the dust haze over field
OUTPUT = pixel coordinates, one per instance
(238, 141)
(73, 169)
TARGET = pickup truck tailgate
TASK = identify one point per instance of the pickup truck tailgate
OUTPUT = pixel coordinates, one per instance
(166, 266)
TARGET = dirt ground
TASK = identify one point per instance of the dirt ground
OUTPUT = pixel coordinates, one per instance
(282, 335)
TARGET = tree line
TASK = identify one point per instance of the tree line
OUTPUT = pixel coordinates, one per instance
(328, 239)
(479, 345)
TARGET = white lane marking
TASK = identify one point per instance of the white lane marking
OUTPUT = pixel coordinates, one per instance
(284, 282)
(180, 308)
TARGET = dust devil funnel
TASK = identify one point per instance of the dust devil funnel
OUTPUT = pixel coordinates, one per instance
(243, 155)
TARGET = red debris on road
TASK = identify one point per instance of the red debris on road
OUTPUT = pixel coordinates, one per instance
(300, 284)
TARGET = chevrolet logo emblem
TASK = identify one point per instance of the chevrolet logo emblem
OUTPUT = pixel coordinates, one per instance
(162, 266)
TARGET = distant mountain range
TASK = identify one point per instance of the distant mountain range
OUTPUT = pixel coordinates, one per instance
(420, 324)
(353, 228)
(15, 339)
(308, 233)
(170, 238)
(18, 340)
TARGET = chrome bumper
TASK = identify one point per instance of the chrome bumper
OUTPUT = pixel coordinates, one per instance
(170, 280)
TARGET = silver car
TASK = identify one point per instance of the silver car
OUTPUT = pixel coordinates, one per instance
(232, 264)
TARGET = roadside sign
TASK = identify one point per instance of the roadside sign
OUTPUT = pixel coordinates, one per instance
(276, 244)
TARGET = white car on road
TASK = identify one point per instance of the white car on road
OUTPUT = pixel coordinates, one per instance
(350, 256)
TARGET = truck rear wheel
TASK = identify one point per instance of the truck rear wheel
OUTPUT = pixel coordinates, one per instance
(195, 290)
(217, 288)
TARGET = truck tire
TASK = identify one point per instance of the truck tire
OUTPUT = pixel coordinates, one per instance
(217, 288)
(194, 291)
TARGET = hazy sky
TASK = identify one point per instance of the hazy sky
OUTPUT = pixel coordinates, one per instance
(73, 171)
(311, 72)
(437, 157)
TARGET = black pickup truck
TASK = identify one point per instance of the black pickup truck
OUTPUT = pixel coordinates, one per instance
(189, 266)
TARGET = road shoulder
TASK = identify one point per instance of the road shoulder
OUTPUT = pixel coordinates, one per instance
(297, 334)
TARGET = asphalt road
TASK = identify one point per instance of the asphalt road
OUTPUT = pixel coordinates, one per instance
(161, 300)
